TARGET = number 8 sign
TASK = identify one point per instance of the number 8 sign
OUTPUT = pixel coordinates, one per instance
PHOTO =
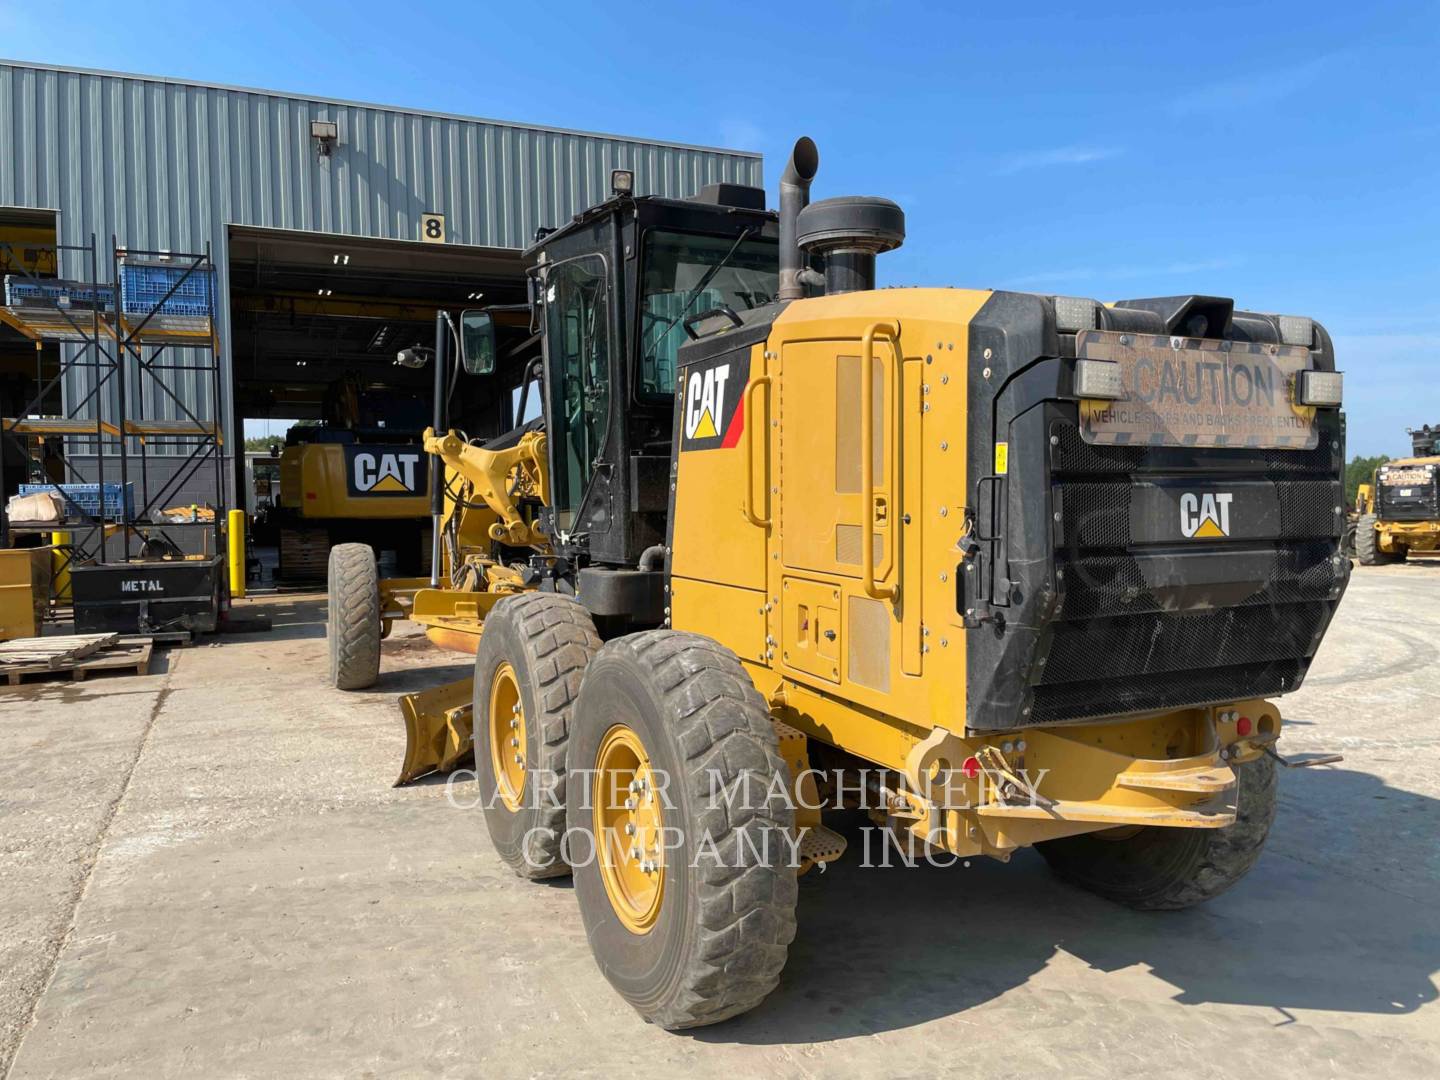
(432, 228)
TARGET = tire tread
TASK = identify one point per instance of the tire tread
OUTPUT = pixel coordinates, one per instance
(560, 640)
(747, 913)
(353, 618)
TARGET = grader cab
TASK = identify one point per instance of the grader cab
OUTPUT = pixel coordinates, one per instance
(1000, 569)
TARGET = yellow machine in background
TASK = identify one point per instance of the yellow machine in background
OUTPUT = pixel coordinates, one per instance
(968, 560)
(360, 476)
(1400, 507)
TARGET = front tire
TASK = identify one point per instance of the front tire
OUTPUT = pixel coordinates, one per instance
(352, 622)
(697, 929)
(1367, 543)
(533, 652)
(1168, 869)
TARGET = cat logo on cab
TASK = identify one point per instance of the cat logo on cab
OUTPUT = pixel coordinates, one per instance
(1205, 515)
(712, 413)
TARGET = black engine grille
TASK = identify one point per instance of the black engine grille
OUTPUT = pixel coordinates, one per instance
(1118, 647)
(1421, 505)
(1097, 514)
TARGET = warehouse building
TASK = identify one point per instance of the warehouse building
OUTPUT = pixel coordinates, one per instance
(336, 228)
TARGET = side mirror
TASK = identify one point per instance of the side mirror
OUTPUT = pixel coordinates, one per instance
(477, 342)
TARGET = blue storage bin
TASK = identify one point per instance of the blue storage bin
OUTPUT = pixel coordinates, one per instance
(143, 286)
(87, 497)
(20, 291)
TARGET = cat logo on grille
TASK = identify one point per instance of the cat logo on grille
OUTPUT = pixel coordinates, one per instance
(1205, 515)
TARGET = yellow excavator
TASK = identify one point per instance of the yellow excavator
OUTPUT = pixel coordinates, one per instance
(1000, 569)
(359, 475)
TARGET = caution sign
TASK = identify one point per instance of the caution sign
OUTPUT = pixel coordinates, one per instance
(1198, 392)
(386, 471)
(712, 411)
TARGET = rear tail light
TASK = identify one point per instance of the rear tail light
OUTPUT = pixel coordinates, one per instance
(1099, 379)
(1320, 388)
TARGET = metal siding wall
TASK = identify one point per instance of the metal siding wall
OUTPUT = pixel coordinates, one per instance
(168, 165)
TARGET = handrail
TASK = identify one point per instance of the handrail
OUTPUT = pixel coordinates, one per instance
(752, 421)
(867, 453)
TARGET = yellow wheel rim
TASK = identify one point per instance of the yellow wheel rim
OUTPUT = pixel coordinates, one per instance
(507, 736)
(628, 829)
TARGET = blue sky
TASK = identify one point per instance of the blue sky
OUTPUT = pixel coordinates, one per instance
(1284, 154)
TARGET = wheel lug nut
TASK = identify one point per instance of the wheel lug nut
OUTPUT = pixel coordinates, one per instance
(515, 709)
(519, 760)
(514, 723)
(635, 853)
(629, 828)
(629, 804)
(515, 742)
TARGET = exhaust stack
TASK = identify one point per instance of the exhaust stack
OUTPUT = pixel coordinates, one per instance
(794, 197)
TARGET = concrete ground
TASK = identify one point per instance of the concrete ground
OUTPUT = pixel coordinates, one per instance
(205, 872)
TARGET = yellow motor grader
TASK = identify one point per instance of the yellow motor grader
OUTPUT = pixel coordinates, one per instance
(1001, 569)
(1400, 507)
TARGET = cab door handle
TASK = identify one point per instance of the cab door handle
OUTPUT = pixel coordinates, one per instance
(752, 421)
(873, 499)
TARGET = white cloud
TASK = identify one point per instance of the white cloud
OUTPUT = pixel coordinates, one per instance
(738, 133)
(1117, 272)
(1247, 91)
(1060, 155)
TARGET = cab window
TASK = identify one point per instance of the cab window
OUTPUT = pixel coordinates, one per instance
(578, 335)
(686, 274)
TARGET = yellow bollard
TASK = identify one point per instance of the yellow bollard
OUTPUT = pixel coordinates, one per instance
(60, 569)
(235, 541)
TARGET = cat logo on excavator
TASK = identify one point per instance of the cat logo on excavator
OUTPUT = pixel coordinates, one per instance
(385, 472)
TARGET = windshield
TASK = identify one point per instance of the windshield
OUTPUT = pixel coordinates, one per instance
(676, 264)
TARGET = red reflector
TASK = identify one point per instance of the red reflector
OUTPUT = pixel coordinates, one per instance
(971, 768)
(1242, 726)
(311, 495)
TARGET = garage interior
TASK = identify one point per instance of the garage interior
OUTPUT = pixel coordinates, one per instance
(311, 313)
(27, 246)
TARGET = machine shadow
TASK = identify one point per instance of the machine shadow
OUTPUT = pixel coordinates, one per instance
(291, 618)
(1326, 921)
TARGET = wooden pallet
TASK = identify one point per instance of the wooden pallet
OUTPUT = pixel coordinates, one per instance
(52, 651)
(125, 657)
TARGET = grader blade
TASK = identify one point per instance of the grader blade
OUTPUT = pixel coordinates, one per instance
(437, 729)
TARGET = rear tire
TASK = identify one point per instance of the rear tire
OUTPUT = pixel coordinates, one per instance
(711, 939)
(353, 619)
(545, 641)
(1367, 543)
(1168, 869)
